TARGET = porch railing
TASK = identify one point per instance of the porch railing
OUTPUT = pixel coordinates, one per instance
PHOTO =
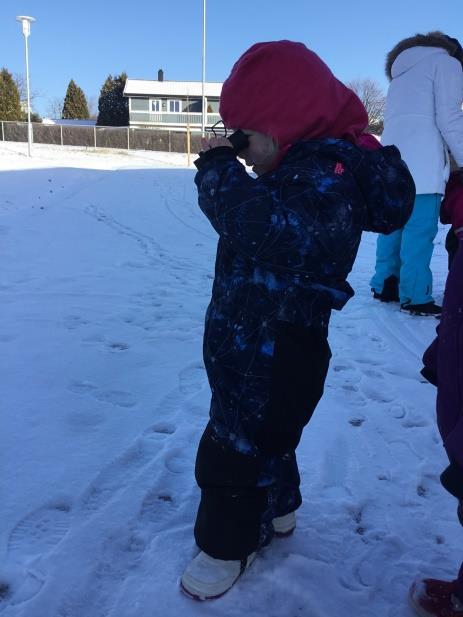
(170, 118)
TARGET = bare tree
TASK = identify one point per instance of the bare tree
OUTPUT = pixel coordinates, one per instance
(373, 99)
(22, 88)
(55, 107)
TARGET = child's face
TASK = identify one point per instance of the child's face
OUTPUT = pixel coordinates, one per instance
(261, 152)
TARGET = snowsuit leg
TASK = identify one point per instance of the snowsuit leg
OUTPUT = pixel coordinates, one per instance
(241, 491)
(450, 383)
(452, 481)
(387, 259)
(450, 362)
(415, 285)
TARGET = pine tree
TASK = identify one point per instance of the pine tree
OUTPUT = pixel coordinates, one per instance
(10, 105)
(104, 102)
(75, 104)
(113, 107)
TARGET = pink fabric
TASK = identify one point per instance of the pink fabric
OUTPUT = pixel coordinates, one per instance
(284, 90)
(368, 141)
(452, 205)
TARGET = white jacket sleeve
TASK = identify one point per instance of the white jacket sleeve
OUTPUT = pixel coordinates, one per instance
(448, 92)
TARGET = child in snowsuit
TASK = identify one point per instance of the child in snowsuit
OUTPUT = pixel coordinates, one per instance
(287, 242)
(424, 120)
(443, 366)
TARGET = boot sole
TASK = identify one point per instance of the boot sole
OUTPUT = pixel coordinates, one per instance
(418, 314)
(197, 598)
(202, 598)
(284, 534)
(386, 300)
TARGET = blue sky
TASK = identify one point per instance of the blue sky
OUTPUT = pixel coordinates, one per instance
(97, 38)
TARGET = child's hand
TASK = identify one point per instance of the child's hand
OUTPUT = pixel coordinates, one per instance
(208, 143)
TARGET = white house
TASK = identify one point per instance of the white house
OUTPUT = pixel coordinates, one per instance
(174, 105)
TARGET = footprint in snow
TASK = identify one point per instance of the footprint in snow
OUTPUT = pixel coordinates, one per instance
(82, 387)
(358, 421)
(23, 590)
(83, 419)
(367, 360)
(378, 395)
(137, 265)
(72, 322)
(160, 429)
(349, 387)
(192, 379)
(373, 374)
(118, 346)
(398, 411)
(400, 451)
(93, 339)
(117, 476)
(421, 490)
(157, 505)
(41, 530)
(116, 559)
(415, 420)
(177, 462)
(388, 549)
(5, 591)
(353, 395)
(359, 524)
(119, 398)
(337, 368)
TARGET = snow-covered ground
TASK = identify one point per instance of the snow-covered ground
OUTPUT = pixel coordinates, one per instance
(106, 269)
(64, 122)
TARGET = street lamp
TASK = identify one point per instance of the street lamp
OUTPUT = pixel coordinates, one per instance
(26, 25)
(203, 122)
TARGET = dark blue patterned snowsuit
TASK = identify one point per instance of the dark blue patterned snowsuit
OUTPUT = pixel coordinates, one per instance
(288, 241)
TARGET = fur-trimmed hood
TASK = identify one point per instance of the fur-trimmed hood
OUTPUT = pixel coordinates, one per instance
(432, 39)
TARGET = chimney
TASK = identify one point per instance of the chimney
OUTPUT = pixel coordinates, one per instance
(160, 75)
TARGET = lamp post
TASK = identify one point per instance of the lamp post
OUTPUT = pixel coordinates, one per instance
(26, 26)
(203, 96)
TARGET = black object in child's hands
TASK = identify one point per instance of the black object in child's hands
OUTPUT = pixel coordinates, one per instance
(238, 140)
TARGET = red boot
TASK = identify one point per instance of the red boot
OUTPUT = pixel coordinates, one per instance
(434, 598)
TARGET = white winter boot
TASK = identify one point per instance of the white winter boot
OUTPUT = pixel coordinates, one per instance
(206, 578)
(284, 525)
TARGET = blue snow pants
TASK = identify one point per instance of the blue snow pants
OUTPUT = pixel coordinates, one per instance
(407, 253)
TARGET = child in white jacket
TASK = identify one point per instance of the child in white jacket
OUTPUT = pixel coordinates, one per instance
(424, 119)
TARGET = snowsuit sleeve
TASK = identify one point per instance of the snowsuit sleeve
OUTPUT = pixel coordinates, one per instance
(388, 188)
(287, 225)
(306, 218)
(452, 204)
(448, 94)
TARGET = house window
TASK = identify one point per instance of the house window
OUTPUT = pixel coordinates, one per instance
(174, 106)
(156, 105)
(212, 107)
(192, 105)
(139, 104)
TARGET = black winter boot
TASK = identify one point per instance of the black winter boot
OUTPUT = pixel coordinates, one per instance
(390, 291)
(429, 309)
